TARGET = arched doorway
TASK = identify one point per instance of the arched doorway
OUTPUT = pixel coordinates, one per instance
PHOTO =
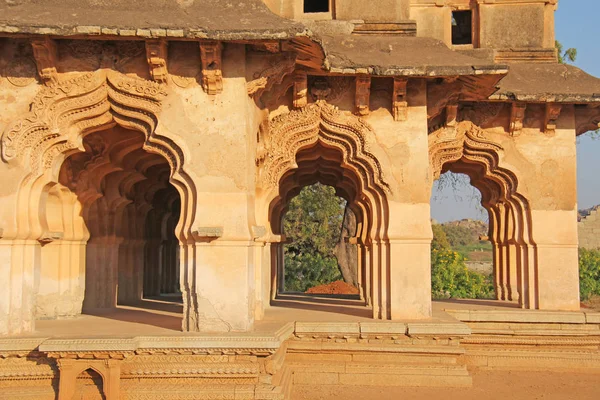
(113, 211)
(465, 150)
(321, 144)
(94, 167)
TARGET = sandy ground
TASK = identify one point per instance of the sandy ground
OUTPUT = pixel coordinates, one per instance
(487, 385)
(593, 304)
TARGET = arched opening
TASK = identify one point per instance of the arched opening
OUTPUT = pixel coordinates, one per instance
(321, 144)
(89, 385)
(319, 257)
(320, 164)
(465, 150)
(461, 252)
(111, 220)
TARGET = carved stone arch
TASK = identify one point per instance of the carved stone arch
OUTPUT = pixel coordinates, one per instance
(63, 114)
(470, 152)
(318, 122)
(60, 117)
(320, 143)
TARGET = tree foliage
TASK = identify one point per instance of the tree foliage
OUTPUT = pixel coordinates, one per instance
(312, 227)
(565, 56)
(450, 277)
(589, 273)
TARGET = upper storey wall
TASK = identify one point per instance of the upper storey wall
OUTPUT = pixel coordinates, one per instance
(346, 10)
(495, 24)
(488, 24)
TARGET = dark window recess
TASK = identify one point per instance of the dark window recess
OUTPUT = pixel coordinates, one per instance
(462, 27)
(316, 6)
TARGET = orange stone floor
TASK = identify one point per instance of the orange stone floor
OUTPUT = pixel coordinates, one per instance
(162, 316)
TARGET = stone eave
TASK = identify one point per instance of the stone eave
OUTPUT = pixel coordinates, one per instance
(198, 19)
(548, 83)
(400, 56)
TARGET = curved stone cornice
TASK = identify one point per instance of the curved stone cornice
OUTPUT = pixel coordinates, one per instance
(318, 122)
(91, 101)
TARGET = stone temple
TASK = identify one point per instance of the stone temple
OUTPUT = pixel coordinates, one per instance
(152, 147)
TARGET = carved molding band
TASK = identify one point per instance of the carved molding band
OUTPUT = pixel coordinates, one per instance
(318, 122)
(464, 140)
(84, 103)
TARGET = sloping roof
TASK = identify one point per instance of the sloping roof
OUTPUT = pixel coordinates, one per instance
(398, 55)
(548, 83)
(210, 19)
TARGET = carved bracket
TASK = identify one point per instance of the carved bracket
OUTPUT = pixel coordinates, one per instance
(49, 237)
(552, 114)
(156, 54)
(46, 58)
(300, 89)
(207, 233)
(363, 94)
(451, 115)
(212, 75)
(517, 115)
(400, 105)
(280, 66)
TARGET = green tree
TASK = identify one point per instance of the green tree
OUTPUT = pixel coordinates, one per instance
(440, 240)
(312, 226)
(565, 56)
(450, 278)
(589, 273)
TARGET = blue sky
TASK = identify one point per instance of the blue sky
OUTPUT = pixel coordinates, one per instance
(576, 26)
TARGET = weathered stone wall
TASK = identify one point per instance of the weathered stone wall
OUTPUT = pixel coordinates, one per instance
(588, 229)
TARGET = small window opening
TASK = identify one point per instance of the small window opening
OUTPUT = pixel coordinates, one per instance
(462, 28)
(316, 6)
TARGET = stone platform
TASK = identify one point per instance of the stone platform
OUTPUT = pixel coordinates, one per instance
(136, 352)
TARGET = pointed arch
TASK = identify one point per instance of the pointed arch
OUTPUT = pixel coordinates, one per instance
(465, 149)
(61, 116)
(320, 143)
(319, 122)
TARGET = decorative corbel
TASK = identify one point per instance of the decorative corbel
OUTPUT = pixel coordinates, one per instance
(300, 89)
(363, 94)
(259, 233)
(400, 105)
(49, 237)
(212, 76)
(517, 115)
(46, 59)
(207, 234)
(280, 66)
(552, 113)
(156, 54)
(451, 115)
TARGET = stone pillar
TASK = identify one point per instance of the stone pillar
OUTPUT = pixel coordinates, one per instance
(17, 300)
(224, 294)
(410, 261)
(555, 234)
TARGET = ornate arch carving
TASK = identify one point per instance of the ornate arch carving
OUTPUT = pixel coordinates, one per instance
(318, 122)
(63, 113)
(448, 145)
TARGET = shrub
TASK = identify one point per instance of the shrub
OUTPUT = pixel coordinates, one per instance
(450, 278)
(589, 273)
